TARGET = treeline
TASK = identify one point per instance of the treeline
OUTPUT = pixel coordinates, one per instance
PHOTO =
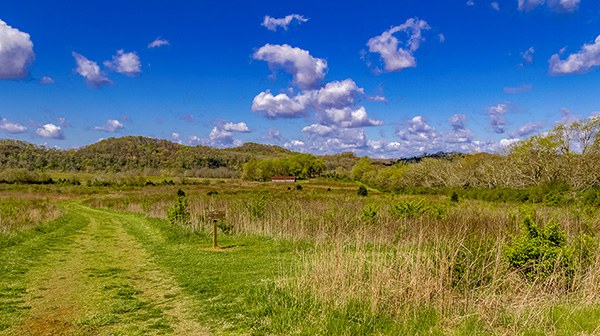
(139, 155)
(299, 165)
(567, 158)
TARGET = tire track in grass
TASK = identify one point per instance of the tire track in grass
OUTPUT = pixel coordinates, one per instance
(103, 284)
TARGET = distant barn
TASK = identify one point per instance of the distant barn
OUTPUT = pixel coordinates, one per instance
(283, 179)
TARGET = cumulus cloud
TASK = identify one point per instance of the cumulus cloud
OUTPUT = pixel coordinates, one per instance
(459, 132)
(50, 131)
(333, 104)
(158, 42)
(519, 89)
(111, 126)
(496, 114)
(16, 52)
(528, 56)
(272, 23)
(63, 122)
(394, 54)
(417, 129)
(280, 106)
(12, 127)
(527, 129)
(125, 63)
(306, 70)
(221, 135)
(94, 78)
(47, 80)
(579, 63)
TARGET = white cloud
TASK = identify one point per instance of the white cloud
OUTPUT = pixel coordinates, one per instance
(495, 6)
(394, 55)
(567, 117)
(111, 126)
(273, 134)
(316, 129)
(240, 127)
(518, 89)
(221, 135)
(470, 3)
(459, 132)
(563, 6)
(272, 23)
(16, 52)
(579, 63)
(560, 6)
(175, 136)
(125, 63)
(50, 131)
(63, 122)
(94, 78)
(528, 5)
(334, 105)
(280, 106)
(47, 80)
(347, 117)
(527, 129)
(442, 38)
(417, 129)
(306, 70)
(496, 114)
(528, 56)
(12, 127)
(158, 42)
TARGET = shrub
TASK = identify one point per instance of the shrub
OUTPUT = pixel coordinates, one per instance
(408, 208)
(298, 187)
(226, 227)
(362, 191)
(179, 213)
(454, 197)
(537, 252)
(369, 212)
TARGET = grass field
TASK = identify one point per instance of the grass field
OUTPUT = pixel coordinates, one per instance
(315, 260)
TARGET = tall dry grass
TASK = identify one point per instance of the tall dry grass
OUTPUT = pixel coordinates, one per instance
(449, 260)
(19, 213)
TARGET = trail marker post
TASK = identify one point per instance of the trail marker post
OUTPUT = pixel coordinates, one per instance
(215, 216)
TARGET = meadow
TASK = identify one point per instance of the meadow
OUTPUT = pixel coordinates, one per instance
(315, 257)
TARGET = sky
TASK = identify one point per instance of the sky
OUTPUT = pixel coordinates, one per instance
(378, 78)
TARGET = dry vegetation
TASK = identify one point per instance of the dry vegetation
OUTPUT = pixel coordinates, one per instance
(398, 255)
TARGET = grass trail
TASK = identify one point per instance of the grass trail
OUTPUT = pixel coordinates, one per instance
(92, 279)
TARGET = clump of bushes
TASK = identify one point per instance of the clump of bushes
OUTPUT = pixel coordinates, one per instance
(408, 209)
(537, 252)
(362, 191)
(179, 214)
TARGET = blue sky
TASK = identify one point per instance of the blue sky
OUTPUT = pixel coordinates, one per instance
(379, 78)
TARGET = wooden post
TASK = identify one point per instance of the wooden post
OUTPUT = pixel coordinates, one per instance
(215, 234)
(215, 216)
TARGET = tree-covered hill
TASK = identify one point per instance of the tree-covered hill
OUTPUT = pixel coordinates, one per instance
(132, 153)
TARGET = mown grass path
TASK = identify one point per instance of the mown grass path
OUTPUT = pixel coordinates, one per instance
(92, 278)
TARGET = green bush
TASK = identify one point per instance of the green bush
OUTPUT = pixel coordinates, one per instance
(369, 213)
(362, 191)
(226, 227)
(538, 252)
(454, 197)
(179, 213)
(408, 208)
